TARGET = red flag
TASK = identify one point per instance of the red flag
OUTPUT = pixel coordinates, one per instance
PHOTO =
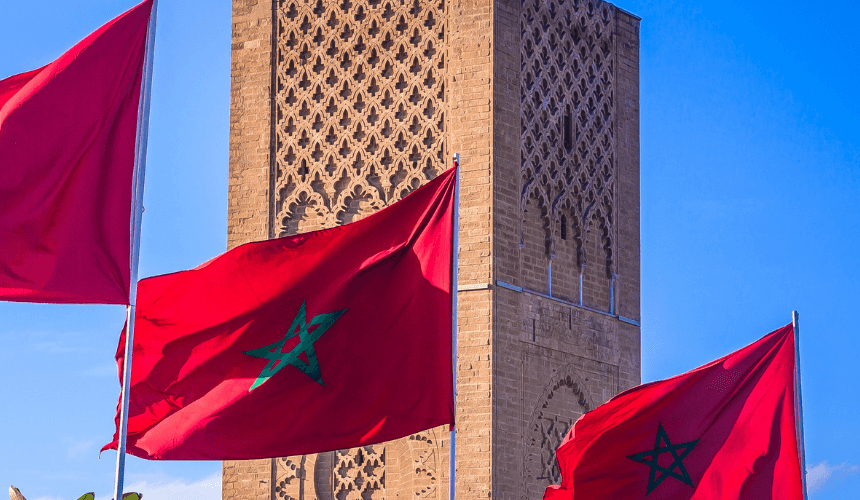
(320, 341)
(67, 148)
(724, 431)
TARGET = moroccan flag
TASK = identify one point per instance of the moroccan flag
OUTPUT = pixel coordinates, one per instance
(724, 431)
(67, 150)
(320, 341)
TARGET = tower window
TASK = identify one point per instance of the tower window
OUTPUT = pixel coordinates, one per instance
(303, 170)
(563, 227)
(567, 126)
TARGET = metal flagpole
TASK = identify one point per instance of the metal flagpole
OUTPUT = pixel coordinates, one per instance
(798, 401)
(137, 217)
(455, 258)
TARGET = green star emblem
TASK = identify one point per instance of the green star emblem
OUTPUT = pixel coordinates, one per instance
(308, 333)
(663, 445)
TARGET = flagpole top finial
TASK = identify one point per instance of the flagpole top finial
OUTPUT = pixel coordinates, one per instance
(456, 158)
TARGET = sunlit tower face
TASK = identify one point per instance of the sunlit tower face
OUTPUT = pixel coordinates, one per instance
(341, 107)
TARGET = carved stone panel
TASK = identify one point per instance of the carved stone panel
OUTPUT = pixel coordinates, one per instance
(359, 473)
(571, 386)
(568, 157)
(562, 403)
(359, 107)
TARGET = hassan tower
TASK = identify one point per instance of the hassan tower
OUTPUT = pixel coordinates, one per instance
(342, 107)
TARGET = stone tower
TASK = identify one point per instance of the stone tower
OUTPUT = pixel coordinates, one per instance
(341, 107)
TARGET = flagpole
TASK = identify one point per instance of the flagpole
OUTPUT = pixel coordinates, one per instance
(141, 141)
(798, 401)
(455, 259)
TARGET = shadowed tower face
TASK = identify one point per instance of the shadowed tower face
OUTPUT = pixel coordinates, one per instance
(340, 108)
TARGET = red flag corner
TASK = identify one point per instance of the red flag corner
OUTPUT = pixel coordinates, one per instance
(67, 150)
(724, 431)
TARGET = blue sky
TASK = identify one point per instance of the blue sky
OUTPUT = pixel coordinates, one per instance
(750, 180)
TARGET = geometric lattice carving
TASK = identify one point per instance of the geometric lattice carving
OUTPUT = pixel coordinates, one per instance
(360, 107)
(567, 96)
(563, 401)
(359, 473)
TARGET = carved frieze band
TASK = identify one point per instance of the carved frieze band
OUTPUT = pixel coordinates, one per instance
(363, 473)
(354, 474)
(568, 157)
(359, 107)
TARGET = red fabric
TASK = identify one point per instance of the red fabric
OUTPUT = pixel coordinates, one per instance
(740, 408)
(67, 140)
(385, 363)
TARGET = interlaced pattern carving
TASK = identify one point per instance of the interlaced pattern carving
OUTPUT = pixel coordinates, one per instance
(360, 107)
(359, 473)
(552, 429)
(568, 119)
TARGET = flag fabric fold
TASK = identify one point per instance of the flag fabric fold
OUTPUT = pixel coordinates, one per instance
(67, 152)
(325, 340)
(724, 431)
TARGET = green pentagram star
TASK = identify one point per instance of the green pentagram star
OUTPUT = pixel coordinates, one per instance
(651, 457)
(307, 336)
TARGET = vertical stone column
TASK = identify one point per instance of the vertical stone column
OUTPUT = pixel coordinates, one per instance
(507, 258)
(470, 101)
(248, 186)
(627, 131)
(565, 226)
(250, 122)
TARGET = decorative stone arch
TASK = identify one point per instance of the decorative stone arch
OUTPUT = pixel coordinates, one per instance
(564, 399)
(600, 222)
